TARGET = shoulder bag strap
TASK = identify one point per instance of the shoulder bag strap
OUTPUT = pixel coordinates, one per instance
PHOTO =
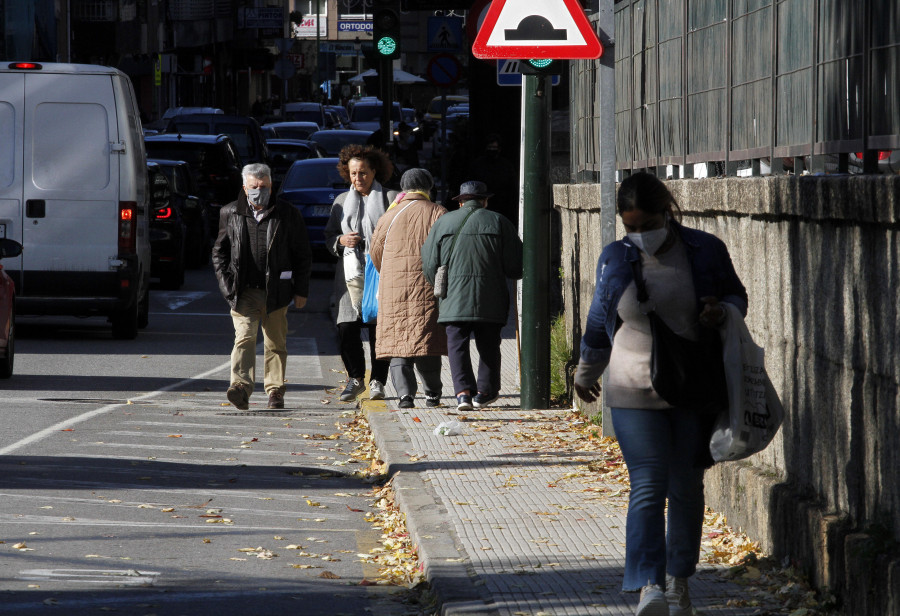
(455, 235)
(394, 219)
(639, 282)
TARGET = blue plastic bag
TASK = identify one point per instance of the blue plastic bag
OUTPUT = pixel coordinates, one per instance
(370, 293)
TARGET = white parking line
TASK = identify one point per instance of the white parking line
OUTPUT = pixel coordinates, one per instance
(72, 421)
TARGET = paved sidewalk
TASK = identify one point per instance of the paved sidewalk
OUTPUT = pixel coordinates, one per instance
(507, 526)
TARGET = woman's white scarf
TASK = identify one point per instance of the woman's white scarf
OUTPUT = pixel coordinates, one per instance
(360, 215)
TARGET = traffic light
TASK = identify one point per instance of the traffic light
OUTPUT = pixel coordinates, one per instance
(386, 28)
(541, 67)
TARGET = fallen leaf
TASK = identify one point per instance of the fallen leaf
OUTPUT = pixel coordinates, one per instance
(174, 436)
(328, 575)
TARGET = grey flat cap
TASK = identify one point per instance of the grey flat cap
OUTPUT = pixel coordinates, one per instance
(472, 190)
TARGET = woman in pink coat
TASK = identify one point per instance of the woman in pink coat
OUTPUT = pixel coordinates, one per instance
(408, 333)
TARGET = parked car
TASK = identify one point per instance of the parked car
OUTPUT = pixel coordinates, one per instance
(194, 210)
(290, 130)
(244, 131)
(366, 115)
(332, 120)
(435, 111)
(167, 231)
(8, 249)
(214, 161)
(451, 122)
(305, 112)
(341, 113)
(285, 152)
(334, 140)
(311, 186)
(74, 192)
(171, 112)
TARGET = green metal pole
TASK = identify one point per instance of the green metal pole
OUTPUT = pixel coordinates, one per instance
(535, 330)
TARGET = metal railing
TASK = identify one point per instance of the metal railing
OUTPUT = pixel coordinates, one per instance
(782, 82)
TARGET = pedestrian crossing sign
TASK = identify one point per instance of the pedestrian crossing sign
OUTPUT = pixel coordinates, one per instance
(445, 34)
(538, 29)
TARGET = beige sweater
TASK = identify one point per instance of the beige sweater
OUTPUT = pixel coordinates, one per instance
(671, 290)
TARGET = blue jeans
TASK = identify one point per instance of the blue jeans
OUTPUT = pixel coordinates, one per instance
(659, 447)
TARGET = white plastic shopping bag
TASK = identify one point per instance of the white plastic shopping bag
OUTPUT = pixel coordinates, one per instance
(754, 412)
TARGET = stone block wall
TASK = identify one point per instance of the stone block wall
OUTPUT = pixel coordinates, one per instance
(820, 257)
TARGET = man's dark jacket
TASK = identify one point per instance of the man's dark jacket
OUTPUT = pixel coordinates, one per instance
(288, 251)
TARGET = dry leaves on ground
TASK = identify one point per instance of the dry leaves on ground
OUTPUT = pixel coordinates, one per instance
(397, 558)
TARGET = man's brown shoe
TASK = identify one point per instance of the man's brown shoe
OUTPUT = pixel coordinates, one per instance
(237, 395)
(276, 400)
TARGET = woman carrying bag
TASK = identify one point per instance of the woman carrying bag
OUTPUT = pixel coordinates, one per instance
(348, 236)
(408, 332)
(685, 274)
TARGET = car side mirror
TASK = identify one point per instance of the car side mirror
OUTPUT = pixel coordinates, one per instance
(9, 248)
(191, 203)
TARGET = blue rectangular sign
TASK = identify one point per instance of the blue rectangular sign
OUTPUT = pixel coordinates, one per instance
(508, 74)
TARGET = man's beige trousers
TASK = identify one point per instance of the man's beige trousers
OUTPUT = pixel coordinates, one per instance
(247, 316)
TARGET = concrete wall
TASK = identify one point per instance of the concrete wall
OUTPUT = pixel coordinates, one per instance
(820, 257)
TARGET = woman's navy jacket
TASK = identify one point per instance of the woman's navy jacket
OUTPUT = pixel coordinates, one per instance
(711, 269)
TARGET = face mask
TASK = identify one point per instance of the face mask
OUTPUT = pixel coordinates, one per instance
(649, 241)
(259, 196)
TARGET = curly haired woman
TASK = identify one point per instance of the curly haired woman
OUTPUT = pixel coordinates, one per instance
(348, 235)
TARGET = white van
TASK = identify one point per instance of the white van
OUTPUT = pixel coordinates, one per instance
(74, 193)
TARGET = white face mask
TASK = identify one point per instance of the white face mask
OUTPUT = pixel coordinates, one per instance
(649, 241)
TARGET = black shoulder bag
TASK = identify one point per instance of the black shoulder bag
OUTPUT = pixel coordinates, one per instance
(684, 373)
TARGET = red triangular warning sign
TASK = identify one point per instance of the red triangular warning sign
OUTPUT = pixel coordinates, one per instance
(537, 29)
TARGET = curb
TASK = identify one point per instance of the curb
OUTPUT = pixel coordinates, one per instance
(447, 567)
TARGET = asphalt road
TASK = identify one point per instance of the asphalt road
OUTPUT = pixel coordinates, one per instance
(128, 484)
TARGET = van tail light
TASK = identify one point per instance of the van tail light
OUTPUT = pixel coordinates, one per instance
(882, 154)
(164, 213)
(24, 66)
(127, 227)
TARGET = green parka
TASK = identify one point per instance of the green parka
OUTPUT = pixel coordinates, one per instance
(487, 252)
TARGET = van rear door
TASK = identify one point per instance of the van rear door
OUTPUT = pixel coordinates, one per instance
(71, 189)
(12, 98)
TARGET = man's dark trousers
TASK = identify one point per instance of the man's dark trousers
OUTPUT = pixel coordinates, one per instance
(487, 341)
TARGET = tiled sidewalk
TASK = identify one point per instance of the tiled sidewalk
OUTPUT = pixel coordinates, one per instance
(508, 527)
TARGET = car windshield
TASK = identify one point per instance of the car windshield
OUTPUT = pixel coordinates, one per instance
(341, 112)
(333, 141)
(435, 106)
(372, 113)
(304, 115)
(197, 155)
(319, 175)
(283, 155)
(294, 132)
(178, 181)
(239, 133)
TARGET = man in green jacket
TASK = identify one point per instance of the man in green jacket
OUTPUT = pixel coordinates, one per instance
(481, 249)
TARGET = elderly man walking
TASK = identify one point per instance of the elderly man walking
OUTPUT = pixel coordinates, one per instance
(481, 249)
(262, 261)
(408, 332)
